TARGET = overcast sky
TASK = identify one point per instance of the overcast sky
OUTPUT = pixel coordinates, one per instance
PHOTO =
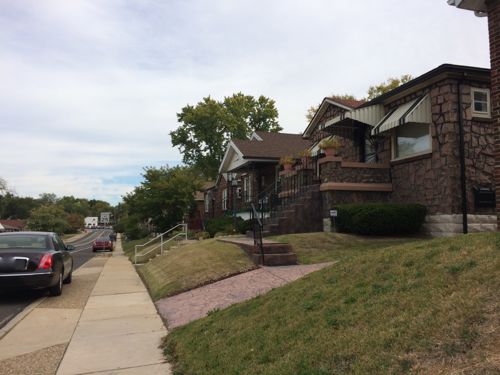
(90, 88)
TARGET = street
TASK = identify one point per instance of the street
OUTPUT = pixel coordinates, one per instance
(13, 303)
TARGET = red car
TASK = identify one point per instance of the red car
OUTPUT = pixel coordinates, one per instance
(102, 243)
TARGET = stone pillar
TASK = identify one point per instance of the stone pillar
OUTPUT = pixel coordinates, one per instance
(494, 33)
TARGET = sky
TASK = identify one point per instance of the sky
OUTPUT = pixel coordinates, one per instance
(90, 89)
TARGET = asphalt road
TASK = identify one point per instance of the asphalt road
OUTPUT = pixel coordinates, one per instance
(12, 304)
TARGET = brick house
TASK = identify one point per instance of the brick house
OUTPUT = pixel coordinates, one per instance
(491, 9)
(249, 168)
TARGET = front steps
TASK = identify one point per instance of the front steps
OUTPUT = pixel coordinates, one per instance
(275, 253)
(300, 216)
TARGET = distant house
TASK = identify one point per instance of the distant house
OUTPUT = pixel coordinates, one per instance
(199, 214)
(12, 225)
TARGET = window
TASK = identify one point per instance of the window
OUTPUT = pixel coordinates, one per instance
(208, 198)
(480, 102)
(247, 188)
(224, 200)
(412, 139)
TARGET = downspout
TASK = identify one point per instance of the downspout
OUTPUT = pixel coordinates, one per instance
(463, 182)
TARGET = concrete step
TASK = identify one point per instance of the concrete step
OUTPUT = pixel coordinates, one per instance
(269, 248)
(285, 259)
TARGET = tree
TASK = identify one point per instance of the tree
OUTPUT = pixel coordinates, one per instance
(47, 198)
(388, 85)
(314, 108)
(206, 128)
(14, 207)
(49, 219)
(163, 198)
(75, 222)
(3, 186)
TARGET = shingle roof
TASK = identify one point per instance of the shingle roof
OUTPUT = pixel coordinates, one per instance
(272, 146)
(351, 103)
(19, 224)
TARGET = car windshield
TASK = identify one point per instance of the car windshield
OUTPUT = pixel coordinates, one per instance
(24, 241)
(102, 239)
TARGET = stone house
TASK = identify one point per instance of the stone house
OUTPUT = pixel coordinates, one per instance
(429, 141)
(414, 145)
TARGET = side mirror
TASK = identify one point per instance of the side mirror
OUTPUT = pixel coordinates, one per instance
(70, 247)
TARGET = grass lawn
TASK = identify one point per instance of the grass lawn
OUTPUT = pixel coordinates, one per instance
(193, 265)
(324, 247)
(429, 306)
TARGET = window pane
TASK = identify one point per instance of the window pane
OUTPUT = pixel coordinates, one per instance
(412, 139)
(480, 101)
(480, 96)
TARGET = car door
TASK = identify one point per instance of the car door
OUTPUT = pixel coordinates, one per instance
(65, 255)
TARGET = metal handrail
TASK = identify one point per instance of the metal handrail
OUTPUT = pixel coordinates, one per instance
(257, 234)
(162, 243)
(156, 247)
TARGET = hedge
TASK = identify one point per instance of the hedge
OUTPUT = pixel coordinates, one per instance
(380, 218)
(225, 224)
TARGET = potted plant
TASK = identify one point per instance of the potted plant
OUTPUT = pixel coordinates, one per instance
(304, 155)
(330, 145)
(287, 162)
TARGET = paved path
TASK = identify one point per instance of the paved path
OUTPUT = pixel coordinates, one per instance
(119, 331)
(195, 304)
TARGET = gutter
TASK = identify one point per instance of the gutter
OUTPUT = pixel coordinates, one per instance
(463, 181)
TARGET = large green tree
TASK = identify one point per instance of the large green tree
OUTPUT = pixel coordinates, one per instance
(206, 128)
(14, 207)
(49, 218)
(162, 199)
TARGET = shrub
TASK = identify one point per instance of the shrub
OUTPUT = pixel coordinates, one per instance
(380, 218)
(202, 235)
(332, 142)
(225, 225)
(242, 226)
(286, 160)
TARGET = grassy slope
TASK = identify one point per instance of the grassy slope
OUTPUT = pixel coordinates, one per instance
(427, 306)
(193, 265)
(324, 247)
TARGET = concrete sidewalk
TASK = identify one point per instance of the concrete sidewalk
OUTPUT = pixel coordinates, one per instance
(119, 330)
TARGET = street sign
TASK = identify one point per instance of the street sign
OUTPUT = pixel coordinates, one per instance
(105, 217)
(333, 213)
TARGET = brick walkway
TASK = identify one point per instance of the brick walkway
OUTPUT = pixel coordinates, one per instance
(195, 304)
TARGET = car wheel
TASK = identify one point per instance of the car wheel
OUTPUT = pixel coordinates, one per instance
(56, 290)
(69, 278)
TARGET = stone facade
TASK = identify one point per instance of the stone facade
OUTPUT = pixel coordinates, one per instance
(494, 33)
(434, 179)
(366, 173)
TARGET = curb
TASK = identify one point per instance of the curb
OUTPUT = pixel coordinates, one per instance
(27, 310)
(20, 316)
